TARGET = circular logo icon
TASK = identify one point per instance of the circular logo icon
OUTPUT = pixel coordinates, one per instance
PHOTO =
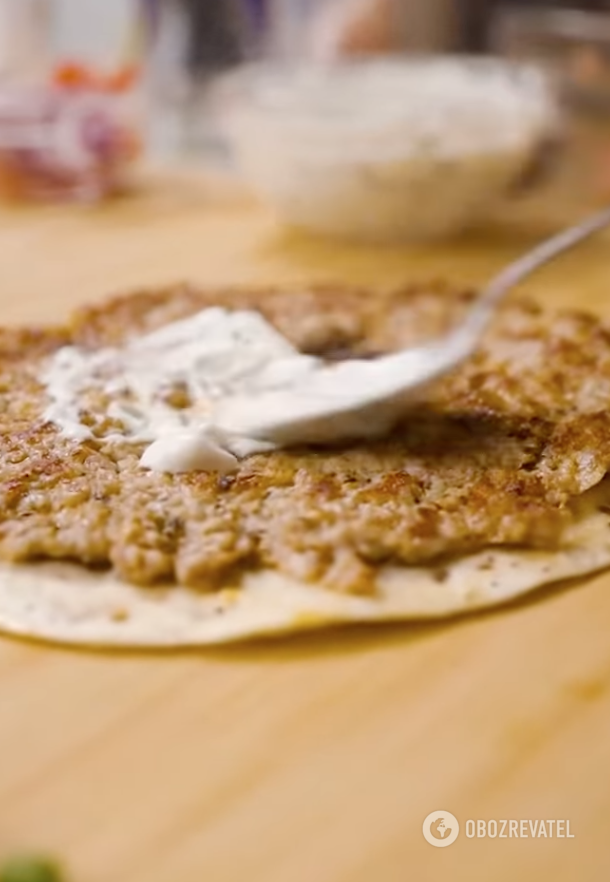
(441, 829)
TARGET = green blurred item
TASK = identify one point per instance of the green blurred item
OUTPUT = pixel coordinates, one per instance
(30, 868)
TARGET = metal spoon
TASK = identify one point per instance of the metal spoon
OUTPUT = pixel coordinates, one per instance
(363, 398)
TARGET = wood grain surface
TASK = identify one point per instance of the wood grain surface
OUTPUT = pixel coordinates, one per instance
(316, 758)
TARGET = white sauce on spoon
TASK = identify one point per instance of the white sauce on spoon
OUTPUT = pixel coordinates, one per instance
(248, 390)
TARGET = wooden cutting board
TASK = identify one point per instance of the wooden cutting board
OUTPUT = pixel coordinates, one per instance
(316, 758)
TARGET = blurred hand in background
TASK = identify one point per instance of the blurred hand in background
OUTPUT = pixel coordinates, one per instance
(363, 26)
(356, 27)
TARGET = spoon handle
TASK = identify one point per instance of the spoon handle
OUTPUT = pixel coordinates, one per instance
(530, 263)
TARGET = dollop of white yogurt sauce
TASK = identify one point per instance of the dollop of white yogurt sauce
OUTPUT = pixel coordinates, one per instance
(215, 356)
(248, 391)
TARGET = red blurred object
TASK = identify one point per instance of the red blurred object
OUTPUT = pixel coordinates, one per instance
(123, 79)
(77, 76)
(73, 75)
(72, 140)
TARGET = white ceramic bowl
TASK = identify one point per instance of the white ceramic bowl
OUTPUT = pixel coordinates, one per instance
(386, 149)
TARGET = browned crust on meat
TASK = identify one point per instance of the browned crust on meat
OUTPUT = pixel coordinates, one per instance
(494, 458)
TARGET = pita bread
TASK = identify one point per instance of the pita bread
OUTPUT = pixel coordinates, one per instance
(64, 603)
(461, 498)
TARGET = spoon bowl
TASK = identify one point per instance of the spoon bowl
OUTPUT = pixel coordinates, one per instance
(363, 398)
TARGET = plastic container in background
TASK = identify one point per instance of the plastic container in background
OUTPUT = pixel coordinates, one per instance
(193, 42)
(574, 46)
(190, 43)
(387, 150)
(70, 114)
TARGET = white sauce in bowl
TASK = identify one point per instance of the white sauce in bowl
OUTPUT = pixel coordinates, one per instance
(387, 149)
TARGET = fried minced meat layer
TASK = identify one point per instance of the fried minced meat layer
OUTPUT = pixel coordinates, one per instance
(495, 457)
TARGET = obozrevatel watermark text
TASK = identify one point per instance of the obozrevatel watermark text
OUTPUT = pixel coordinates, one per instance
(553, 829)
(441, 829)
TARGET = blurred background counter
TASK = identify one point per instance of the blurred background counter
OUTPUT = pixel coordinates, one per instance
(129, 74)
